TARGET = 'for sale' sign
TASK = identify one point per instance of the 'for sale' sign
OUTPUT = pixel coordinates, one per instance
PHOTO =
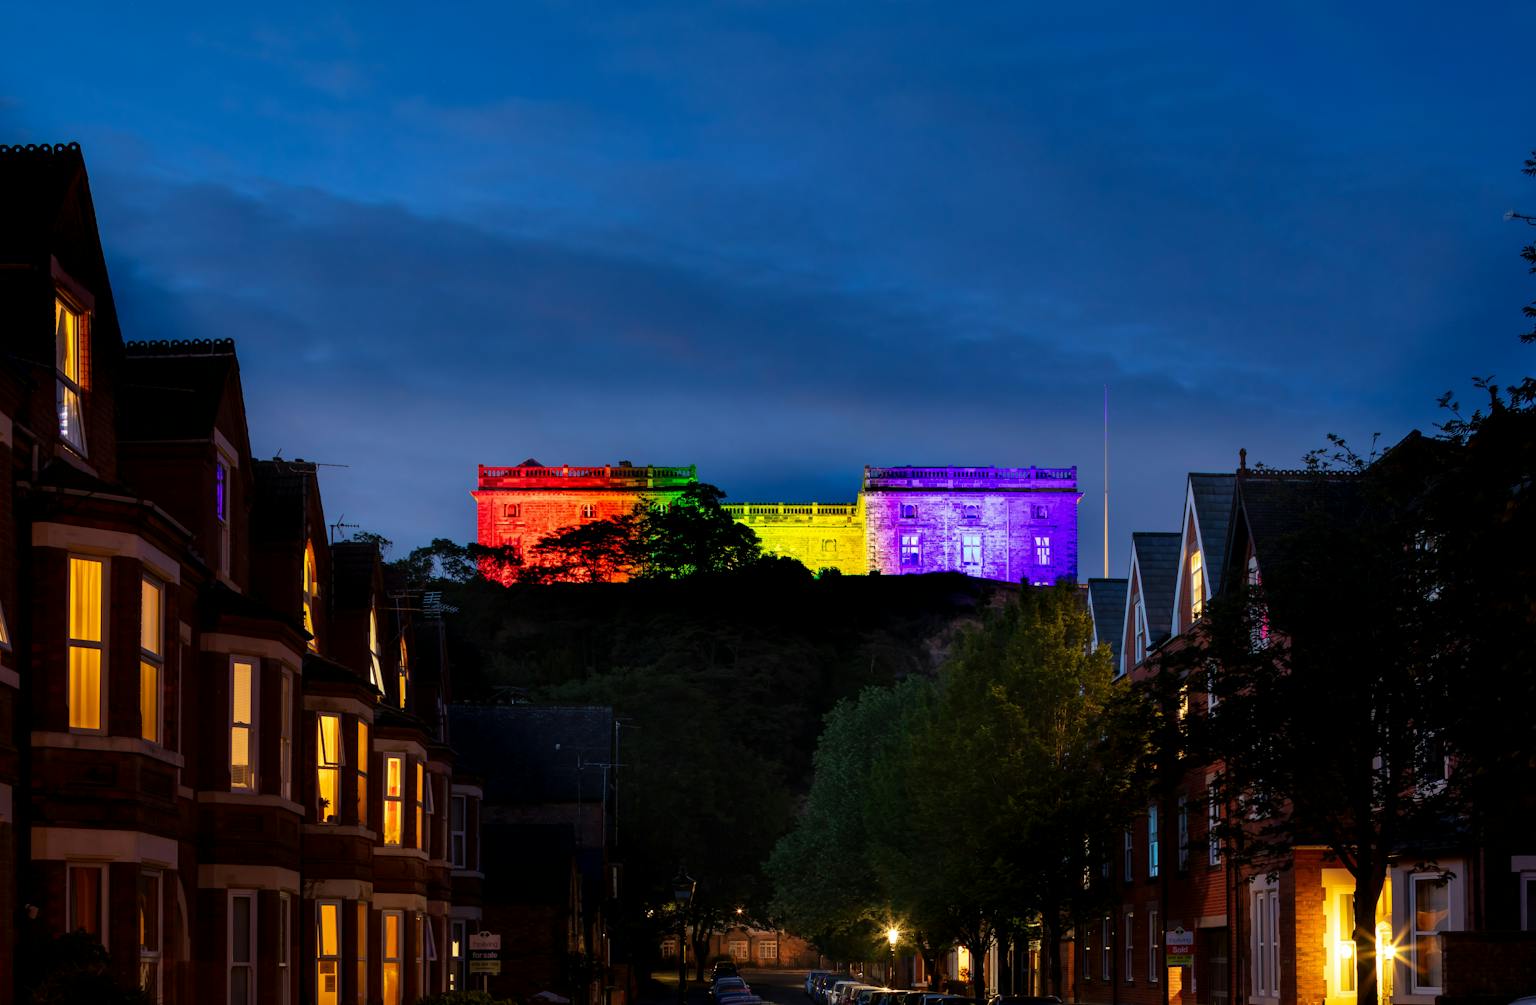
(485, 953)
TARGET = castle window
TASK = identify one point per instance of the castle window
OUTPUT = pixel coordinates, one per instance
(829, 545)
(86, 591)
(588, 512)
(513, 511)
(1040, 512)
(911, 553)
(70, 333)
(908, 511)
(970, 512)
(1042, 550)
(970, 549)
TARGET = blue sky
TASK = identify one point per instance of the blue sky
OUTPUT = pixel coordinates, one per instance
(783, 240)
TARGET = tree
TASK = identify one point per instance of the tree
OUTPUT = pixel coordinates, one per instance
(693, 535)
(601, 551)
(1030, 748)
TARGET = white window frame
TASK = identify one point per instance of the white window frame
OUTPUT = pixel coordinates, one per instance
(1154, 944)
(398, 800)
(65, 385)
(1196, 585)
(1152, 841)
(1042, 549)
(1130, 947)
(153, 957)
(397, 960)
(1107, 949)
(588, 511)
(103, 874)
(336, 764)
(252, 728)
(103, 678)
(458, 837)
(911, 545)
(768, 949)
(1414, 881)
(970, 549)
(250, 962)
(1264, 939)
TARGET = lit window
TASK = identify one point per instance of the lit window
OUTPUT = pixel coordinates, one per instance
(911, 552)
(1042, 550)
(221, 510)
(1431, 916)
(1344, 941)
(70, 335)
(1154, 941)
(514, 510)
(5, 633)
(149, 933)
(768, 950)
(242, 949)
(1196, 584)
(405, 669)
(376, 659)
(87, 900)
(389, 966)
(1152, 842)
(360, 987)
(242, 729)
(311, 595)
(588, 511)
(457, 838)
(970, 549)
(362, 774)
(420, 805)
(285, 736)
(328, 952)
(85, 606)
(328, 768)
(151, 658)
(908, 511)
(457, 933)
(394, 799)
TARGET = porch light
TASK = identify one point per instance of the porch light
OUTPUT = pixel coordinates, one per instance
(1344, 948)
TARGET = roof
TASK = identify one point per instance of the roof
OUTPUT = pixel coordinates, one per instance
(1213, 513)
(531, 753)
(1278, 505)
(1106, 605)
(1157, 562)
(173, 390)
(279, 509)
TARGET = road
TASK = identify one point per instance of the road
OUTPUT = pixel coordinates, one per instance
(782, 987)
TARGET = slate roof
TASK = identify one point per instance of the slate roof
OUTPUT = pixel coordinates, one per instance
(1157, 559)
(173, 390)
(1279, 505)
(1213, 515)
(515, 748)
(1106, 602)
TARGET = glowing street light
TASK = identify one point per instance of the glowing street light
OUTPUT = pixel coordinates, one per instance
(892, 935)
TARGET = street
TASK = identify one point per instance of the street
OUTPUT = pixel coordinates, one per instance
(782, 987)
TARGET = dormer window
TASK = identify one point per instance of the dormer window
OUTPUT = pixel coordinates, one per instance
(1196, 585)
(1141, 631)
(70, 325)
(311, 595)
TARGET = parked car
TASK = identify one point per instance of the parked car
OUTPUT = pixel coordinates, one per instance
(723, 968)
(838, 995)
(726, 985)
(1025, 1000)
(811, 979)
(821, 983)
(864, 995)
(846, 995)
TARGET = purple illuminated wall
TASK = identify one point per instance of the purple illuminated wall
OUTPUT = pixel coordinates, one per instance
(1012, 524)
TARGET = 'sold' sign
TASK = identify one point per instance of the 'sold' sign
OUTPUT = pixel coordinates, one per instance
(485, 953)
(1180, 947)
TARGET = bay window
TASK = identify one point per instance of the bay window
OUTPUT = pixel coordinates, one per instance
(328, 768)
(151, 658)
(394, 800)
(421, 843)
(86, 592)
(1430, 903)
(285, 736)
(242, 947)
(390, 965)
(86, 894)
(242, 724)
(284, 940)
(360, 992)
(362, 773)
(457, 837)
(328, 952)
(149, 933)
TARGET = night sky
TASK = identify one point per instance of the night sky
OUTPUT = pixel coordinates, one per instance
(784, 240)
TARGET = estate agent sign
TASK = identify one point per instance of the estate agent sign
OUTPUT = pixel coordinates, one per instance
(485, 953)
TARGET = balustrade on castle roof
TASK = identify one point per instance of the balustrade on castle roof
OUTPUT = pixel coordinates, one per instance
(621, 476)
(905, 477)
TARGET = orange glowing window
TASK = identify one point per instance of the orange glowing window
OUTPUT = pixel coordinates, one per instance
(394, 800)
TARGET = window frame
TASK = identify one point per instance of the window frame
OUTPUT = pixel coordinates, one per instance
(1130, 857)
(152, 662)
(458, 836)
(310, 595)
(1153, 849)
(152, 957)
(285, 734)
(222, 486)
(1213, 816)
(419, 798)
(395, 801)
(970, 549)
(1154, 944)
(336, 958)
(1130, 947)
(1107, 949)
(1042, 549)
(360, 991)
(911, 549)
(1196, 585)
(250, 963)
(252, 728)
(458, 933)
(71, 918)
(363, 751)
(1415, 880)
(332, 767)
(1183, 832)
(98, 645)
(64, 385)
(284, 961)
(395, 961)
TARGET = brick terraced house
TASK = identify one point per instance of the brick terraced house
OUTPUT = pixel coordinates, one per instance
(223, 740)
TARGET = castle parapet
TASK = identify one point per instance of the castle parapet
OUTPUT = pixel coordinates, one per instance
(983, 479)
(614, 476)
(754, 512)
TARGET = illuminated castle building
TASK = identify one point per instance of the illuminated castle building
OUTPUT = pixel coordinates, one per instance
(1010, 524)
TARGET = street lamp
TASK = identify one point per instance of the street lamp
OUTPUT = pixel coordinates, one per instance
(682, 892)
(892, 935)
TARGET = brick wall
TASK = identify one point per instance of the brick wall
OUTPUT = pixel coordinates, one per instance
(1497, 964)
(1303, 930)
